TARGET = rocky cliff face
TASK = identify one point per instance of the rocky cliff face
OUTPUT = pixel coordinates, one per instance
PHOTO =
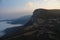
(42, 26)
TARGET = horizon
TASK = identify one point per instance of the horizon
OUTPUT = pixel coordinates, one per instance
(17, 8)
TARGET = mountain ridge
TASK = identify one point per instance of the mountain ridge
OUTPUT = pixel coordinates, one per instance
(42, 26)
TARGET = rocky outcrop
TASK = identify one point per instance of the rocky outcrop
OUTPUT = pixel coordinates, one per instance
(44, 25)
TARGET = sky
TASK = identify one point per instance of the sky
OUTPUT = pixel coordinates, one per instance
(21, 7)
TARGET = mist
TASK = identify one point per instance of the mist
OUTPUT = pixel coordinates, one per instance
(13, 15)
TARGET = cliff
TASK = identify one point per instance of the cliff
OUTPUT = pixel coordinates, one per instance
(43, 25)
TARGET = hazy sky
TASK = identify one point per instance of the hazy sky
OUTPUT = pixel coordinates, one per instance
(24, 6)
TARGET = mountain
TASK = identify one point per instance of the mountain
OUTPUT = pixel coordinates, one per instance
(21, 20)
(43, 25)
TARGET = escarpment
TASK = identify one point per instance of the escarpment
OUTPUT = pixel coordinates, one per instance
(43, 25)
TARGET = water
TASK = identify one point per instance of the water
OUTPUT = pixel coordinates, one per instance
(4, 25)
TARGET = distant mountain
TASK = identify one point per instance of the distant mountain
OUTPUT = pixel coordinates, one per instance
(21, 20)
